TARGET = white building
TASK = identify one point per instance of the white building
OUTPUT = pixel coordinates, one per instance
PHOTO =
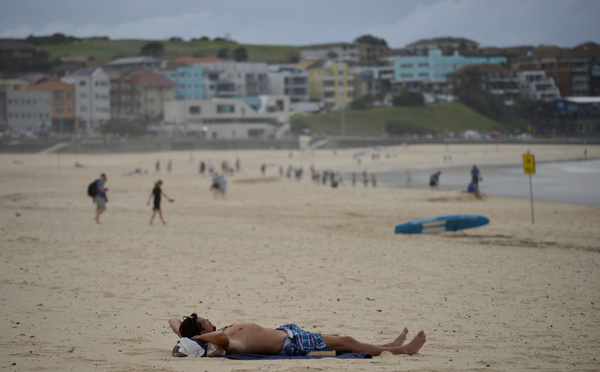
(536, 86)
(290, 81)
(226, 79)
(129, 64)
(92, 97)
(249, 117)
(28, 110)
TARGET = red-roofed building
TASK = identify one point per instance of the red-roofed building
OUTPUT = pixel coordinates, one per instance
(496, 79)
(140, 95)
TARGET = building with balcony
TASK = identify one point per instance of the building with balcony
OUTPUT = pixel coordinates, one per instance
(62, 102)
(28, 110)
(373, 80)
(536, 86)
(429, 73)
(228, 79)
(577, 116)
(332, 83)
(154, 90)
(289, 80)
(495, 79)
(130, 64)
(92, 95)
(247, 117)
(188, 80)
(569, 69)
(7, 85)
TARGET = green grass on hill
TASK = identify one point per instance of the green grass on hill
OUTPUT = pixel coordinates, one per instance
(452, 117)
(106, 50)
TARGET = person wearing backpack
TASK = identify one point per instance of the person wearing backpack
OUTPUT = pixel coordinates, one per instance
(100, 199)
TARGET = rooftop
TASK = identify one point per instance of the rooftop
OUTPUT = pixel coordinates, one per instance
(148, 78)
(133, 60)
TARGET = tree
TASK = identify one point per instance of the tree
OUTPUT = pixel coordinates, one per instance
(407, 98)
(362, 103)
(370, 39)
(175, 38)
(154, 49)
(332, 55)
(223, 53)
(240, 54)
(204, 38)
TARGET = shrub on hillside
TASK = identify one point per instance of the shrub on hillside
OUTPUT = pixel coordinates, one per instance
(403, 127)
(407, 98)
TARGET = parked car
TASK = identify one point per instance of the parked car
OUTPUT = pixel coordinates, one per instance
(472, 134)
(525, 136)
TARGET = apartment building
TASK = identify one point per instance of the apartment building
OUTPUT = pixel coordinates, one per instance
(5, 86)
(130, 64)
(188, 80)
(348, 53)
(536, 86)
(92, 95)
(429, 73)
(228, 79)
(373, 80)
(569, 69)
(330, 82)
(62, 102)
(28, 110)
(289, 80)
(249, 117)
(154, 91)
(495, 79)
(124, 96)
(424, 46)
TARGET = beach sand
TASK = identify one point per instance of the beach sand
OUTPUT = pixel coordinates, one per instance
(81, 296)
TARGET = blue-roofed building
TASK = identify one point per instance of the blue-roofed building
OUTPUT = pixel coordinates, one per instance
(189, 82)
(429, 72)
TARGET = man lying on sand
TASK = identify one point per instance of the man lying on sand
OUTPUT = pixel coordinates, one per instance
(289, 339)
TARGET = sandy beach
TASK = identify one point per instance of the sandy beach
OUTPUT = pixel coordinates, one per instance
(86, 297)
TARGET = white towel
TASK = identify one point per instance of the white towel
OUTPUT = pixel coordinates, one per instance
(190, 348)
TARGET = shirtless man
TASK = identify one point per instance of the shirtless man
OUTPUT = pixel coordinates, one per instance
(251, 338)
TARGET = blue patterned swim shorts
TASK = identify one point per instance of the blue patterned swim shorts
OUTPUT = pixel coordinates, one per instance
(301, 342)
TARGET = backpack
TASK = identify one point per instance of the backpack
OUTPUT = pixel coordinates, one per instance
(93, 189)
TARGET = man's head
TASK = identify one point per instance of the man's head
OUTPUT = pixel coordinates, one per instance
(103, 176)
(193, 325)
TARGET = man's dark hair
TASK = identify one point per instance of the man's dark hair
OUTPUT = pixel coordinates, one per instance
(190, 327)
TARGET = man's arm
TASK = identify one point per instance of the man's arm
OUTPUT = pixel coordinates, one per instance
(218, 338)
(175, 323)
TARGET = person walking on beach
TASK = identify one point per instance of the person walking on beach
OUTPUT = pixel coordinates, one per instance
(223, 186)
(216, 185)
(157, 193)
(157, 166)
(434, 180)
(476, 176)
(100, 199)
(287, 339)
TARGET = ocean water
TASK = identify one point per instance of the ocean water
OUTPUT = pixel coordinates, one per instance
(575, 182)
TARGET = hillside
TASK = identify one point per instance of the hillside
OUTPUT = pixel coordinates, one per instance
(451, 117)
(106, 50)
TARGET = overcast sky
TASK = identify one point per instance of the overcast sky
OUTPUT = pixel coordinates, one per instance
(300, 22)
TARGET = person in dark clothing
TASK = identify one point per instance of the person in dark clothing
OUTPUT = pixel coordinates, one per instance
(157, 193)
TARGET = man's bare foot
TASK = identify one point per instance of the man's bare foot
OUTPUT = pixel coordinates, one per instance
(399, 341)
(415, 345)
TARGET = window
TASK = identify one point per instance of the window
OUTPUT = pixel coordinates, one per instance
(83, 108)
(83, 95)
(406, 65)
(69, 95)
(59, 109)
(222, 109)
(406, 75)
(424, 64)
(194, 110)
(58, 95)
(82, 83)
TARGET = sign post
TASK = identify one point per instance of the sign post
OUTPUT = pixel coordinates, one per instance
(529, 168)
